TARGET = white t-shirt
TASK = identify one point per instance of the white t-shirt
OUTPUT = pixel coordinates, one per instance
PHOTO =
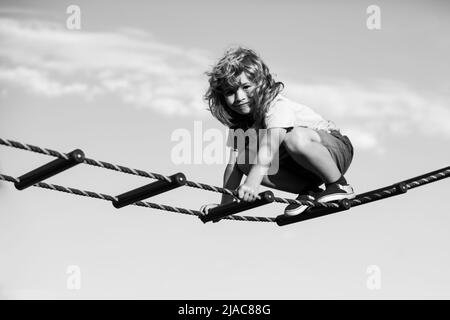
(284, 113)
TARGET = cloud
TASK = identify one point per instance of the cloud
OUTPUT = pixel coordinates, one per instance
(47, 59)
(377, 110)
(39, 82)
(362, 139)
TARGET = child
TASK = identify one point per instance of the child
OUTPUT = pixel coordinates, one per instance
(310, 150)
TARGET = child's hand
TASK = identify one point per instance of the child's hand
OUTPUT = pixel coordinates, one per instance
(248, 193)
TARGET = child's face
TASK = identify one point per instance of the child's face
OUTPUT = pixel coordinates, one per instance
(239, 99)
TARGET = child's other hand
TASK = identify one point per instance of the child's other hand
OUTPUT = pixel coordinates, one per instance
(248, 193)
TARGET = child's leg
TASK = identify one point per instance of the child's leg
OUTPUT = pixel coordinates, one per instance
(305, 147)
(328, 154)
(284, 180)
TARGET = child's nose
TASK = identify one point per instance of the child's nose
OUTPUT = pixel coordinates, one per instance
(240, 94)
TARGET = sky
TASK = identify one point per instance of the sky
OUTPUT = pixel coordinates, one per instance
(132, 76)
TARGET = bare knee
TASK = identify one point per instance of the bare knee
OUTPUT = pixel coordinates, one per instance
(299, 140)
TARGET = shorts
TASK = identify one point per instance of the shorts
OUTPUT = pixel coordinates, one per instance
(339, 146)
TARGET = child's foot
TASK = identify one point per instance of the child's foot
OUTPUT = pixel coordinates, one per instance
(335, 192)
(295, 209)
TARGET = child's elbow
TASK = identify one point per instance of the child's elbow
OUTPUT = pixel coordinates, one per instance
(265, 161)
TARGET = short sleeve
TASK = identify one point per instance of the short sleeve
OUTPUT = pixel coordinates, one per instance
(280, 115)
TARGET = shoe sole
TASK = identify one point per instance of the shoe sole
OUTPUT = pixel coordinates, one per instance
(336, 197)
(296, 211)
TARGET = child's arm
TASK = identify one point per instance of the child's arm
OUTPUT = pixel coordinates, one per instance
(269, 145)
(232, 177)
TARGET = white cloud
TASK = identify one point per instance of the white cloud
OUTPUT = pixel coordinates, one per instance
(39, 82)
(377, 111)
(363, 139)
(47, 59)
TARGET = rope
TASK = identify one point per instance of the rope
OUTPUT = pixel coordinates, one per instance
(107, 197)
(411, 183)
(146, 174)
(360, 199)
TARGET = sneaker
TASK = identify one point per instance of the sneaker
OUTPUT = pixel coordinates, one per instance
(295, 209)
(335, 192)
